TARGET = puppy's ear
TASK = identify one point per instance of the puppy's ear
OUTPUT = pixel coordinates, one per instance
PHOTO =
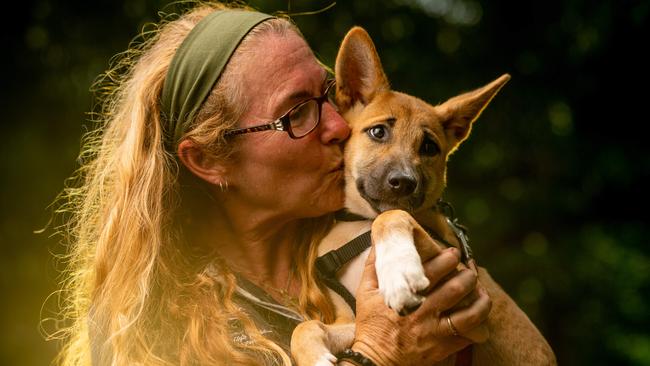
(461, 111)
(359, 74)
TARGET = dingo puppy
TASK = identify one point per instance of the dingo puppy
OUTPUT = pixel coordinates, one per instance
(395, 164)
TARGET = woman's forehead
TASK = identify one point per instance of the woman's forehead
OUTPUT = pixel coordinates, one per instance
(283, 69)
(277, 55)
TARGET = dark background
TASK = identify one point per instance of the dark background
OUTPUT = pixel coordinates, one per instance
(551, 183)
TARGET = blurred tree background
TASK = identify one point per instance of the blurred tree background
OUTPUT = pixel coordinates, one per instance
(552, 182)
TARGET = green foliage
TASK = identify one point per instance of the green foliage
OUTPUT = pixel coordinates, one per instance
(551, 183)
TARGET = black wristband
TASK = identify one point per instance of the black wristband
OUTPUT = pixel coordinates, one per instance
(354, 357)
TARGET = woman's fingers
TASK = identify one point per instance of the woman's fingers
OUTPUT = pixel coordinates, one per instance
(466, 319)
(449, 293)
(440, 266)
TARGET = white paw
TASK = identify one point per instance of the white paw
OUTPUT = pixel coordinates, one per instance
(326, 359)
(400, 286)
(400, 273)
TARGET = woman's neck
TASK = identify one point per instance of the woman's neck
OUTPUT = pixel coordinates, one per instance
(257, 244)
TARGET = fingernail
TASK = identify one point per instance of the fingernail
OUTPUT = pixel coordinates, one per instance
(454, 251)
(472, 266)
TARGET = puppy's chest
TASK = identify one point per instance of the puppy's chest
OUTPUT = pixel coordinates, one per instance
(349, 274)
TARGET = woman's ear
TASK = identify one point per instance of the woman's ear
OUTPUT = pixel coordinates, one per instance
(201, 164)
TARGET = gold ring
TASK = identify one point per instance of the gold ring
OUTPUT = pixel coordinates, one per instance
(453, 329)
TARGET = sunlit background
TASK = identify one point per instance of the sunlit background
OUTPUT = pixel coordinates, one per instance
(552, 183)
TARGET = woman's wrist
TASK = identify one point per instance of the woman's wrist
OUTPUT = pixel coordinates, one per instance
(369, 353)
(354, 358)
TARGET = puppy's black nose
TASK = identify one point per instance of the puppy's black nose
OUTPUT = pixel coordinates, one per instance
(401, 184)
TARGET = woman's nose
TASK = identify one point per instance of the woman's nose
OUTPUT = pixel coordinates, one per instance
(334, 129)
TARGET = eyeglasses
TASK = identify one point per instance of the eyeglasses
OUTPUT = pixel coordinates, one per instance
(299, 121)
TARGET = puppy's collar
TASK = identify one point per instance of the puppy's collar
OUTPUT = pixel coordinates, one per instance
(445, 208)
(441, 206)
(345, 215)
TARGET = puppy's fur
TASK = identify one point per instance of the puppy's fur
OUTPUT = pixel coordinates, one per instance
(395, 163)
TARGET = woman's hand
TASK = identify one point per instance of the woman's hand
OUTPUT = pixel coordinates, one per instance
(424, 336)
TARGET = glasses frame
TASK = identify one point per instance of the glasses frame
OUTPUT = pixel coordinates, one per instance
(284, 123)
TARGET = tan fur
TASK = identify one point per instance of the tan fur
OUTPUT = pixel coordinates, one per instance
(366, 101)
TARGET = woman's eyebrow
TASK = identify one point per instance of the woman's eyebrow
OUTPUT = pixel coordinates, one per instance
(299, 95)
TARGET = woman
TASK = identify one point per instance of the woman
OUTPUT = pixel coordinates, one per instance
(193, 238)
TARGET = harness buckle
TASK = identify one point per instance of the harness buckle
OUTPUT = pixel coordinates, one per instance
(329, 264)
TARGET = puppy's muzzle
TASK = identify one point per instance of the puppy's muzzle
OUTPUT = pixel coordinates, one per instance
(389, 189)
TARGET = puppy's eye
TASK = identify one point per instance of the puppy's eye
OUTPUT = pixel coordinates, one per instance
(429, 147)
(378, 132)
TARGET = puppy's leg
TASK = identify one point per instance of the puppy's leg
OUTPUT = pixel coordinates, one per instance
(514, 339)
(315, 343)
(399, 260)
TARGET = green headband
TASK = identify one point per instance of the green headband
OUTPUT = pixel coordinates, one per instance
(197, 65)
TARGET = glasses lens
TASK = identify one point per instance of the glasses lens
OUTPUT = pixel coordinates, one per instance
(304, 118)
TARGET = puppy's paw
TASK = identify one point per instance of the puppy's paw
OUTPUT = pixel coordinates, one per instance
(400, 274)
(401, 285)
